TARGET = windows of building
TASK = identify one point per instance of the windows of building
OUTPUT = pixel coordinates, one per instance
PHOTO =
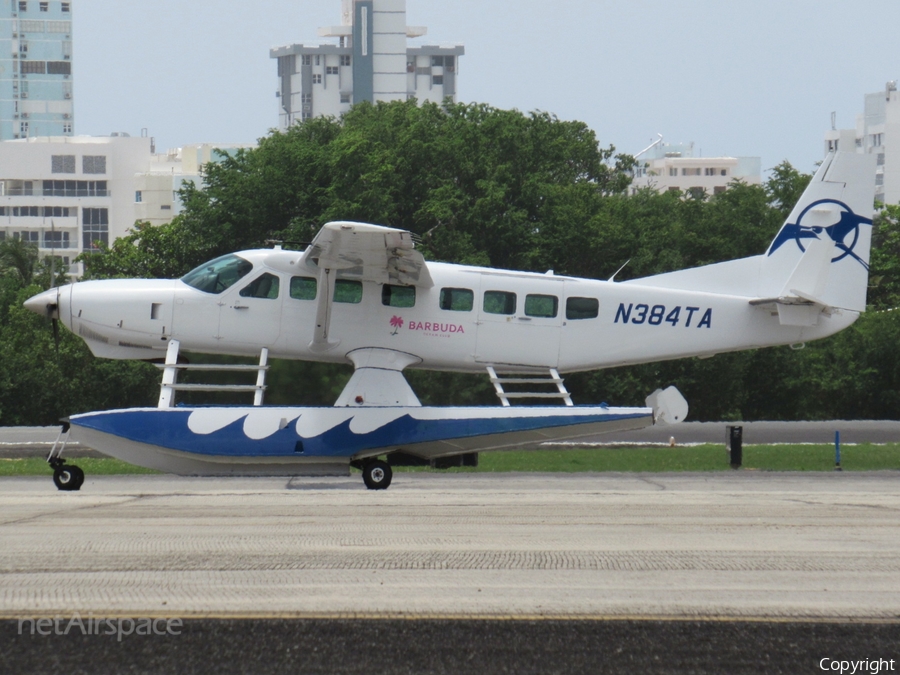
(457, 299)
(55, 240)
(318, 59)
(75, 188)
(67, 127)
(691, 172)
(23, 48)
(345, 98)
(23, 129)
(66, 7)
(58, 211)
(832, 146)
(306, 60)
(317, 79)
(879, 179)
(30, 237)
(93, 164)
(59, 68)
(23, 6)
(166, 207)
(138, 196)
(94, 228)
(499, 302)
(437, 79)
(345, 59)
(44, 6)
(331, 70)
(23, 211)
(32, 67)
(718, 189)
(673, 171)
(877, 140)
(398, 296)
(879, 161)
(442, 62)
(62, 164)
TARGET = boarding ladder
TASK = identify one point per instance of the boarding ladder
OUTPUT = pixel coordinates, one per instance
(516, 380)
(170, 376)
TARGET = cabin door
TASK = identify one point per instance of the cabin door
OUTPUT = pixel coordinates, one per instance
(519, 321)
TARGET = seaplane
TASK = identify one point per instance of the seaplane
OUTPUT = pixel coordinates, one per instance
(362, 294)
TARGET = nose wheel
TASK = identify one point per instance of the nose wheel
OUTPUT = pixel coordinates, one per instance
(377, 474)
(68, 477)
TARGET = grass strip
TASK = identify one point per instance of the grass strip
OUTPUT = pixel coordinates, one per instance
(92, 466)
(712, 457)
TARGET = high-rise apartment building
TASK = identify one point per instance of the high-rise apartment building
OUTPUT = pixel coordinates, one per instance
(877, 132)
(370, 62)
(35, 68)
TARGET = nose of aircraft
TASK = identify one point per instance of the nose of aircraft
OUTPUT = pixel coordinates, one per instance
(45, 304)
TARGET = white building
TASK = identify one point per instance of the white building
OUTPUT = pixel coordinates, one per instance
(65, 194)
(665, 166)
(877, 132)
(35, 68)
(370, 62)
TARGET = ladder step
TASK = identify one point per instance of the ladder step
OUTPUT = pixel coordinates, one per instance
(212, 366)
(214, 387)
(527, 380)
(533, 394)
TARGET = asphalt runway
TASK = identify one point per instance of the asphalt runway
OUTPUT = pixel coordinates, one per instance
(725, 572)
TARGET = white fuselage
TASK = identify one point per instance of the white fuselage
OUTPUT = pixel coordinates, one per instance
(552, 321)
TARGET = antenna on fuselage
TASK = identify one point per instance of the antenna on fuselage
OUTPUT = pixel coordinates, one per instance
(619, 270)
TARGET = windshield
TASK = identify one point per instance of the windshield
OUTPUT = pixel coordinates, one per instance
(219, 274)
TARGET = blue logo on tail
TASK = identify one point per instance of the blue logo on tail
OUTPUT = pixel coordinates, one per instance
(847, 228)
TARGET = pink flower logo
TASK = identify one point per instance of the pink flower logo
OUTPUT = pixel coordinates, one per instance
(396, 324)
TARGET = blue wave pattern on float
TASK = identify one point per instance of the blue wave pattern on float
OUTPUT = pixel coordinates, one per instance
(170, 429)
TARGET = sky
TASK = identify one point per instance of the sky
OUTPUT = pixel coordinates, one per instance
(736, 77)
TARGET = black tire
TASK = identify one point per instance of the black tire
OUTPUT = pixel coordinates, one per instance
(377, 474)
(65, 478)
(79, 476)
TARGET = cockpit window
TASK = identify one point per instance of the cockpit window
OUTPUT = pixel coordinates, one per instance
(219, 274)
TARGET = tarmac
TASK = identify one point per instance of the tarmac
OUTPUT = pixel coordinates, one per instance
(739, 572)
(730, 544)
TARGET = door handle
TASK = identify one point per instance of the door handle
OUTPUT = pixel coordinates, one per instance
(240, 307)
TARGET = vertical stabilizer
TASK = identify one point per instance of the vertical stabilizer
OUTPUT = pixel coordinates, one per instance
(821, 253)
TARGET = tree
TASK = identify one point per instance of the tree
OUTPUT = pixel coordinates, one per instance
(785, 186)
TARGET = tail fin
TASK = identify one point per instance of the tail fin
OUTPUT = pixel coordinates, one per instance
(821, 253)
(818, 261)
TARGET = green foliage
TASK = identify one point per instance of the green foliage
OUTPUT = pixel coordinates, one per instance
(480, 186)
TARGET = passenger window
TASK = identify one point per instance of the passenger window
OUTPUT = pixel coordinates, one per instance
(457, 299)
(264, 286)
(303, 288)
(582, 308)
(398, 296)
(499, 302)
(347, 290)
(545, 306)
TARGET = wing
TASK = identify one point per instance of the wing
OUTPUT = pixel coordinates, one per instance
(363, 252)
(366, 252)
